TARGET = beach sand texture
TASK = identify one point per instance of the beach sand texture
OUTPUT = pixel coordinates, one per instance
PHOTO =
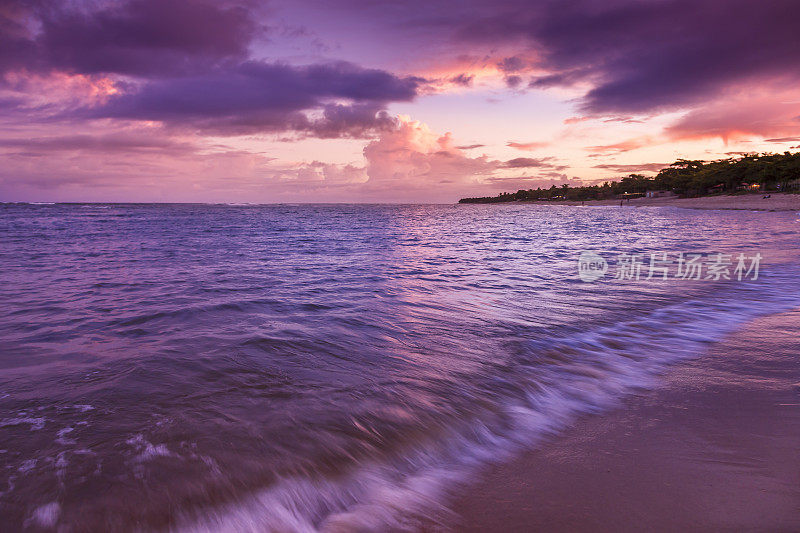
(714, 449)
(756, 202)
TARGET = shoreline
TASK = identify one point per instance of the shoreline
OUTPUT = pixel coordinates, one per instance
(713, 448)
(749, 202)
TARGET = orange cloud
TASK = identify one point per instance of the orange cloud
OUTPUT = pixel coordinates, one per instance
(413, 157)
(456, 73)
(59, 88)
(745, 115)
(527, 146)
(620, 147)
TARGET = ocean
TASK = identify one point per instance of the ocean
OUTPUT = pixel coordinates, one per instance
(194, 367)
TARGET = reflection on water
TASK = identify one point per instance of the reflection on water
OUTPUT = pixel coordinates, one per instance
(313, 367)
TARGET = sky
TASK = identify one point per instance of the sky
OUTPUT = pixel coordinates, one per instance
(244, 101)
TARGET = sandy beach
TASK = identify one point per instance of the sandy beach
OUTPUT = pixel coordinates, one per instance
(754, 202)
(714, 448)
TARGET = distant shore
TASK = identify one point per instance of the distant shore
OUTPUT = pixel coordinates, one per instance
(749, 202)
(713, 449)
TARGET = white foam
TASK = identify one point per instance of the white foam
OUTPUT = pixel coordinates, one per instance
(602, 366)
(61, 436)
(26, 466)
(61, 464)
(146, 450)
(46, 515)
(36, 423)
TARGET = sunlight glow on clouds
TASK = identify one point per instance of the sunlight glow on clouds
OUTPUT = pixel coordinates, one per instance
(193, 100)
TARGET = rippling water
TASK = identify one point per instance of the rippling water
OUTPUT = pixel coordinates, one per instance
(201, 367)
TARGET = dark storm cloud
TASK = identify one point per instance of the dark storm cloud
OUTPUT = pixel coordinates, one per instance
(560, 79)
(639, 56)
(187, 63)
(190, 61)
(139, 37)
(256, 96)
(648, 55)
(354, 120)
(16, 46)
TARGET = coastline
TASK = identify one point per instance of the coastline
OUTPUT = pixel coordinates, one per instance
(713, 448)
(749, 202)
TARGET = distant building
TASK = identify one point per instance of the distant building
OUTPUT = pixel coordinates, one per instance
(659, 194)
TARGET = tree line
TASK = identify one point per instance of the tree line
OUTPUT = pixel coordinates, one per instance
(684, 177)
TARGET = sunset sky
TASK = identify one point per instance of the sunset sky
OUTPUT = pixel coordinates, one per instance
(369, 101)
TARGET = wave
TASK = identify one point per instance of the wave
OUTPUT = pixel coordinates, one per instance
(557, 380)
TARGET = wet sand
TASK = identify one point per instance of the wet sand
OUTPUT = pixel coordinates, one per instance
(756, 202)
(717, 447)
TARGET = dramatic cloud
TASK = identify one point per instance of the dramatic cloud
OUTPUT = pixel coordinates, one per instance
(407, 162)
(185, 64)
(625, 56)
(647, 55)
(149, 164)
(140, 37)
(103, 92)
(413, 157)
(258, 96)
(329, 100)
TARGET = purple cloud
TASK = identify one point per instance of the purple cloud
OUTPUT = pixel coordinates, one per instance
(638, 56)
(470, 146)
(192, 63)
(17, 48)
(464, 80)
(108, 143)
(512, 64)
(645, 56)
(513, 81)
(188, 64)
(138, 37)
(257, 96)
(533, 162)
